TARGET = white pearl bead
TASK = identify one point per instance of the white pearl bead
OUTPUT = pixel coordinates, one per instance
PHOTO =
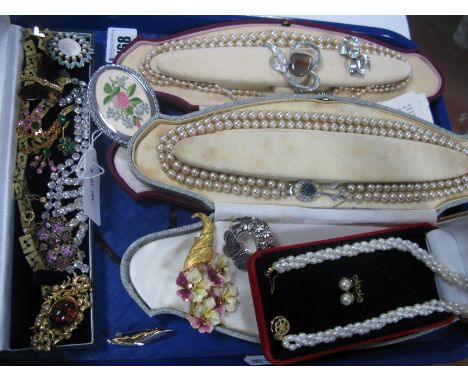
(251, 181)
(186, 169)
(208, 184)
(260, 182)
(256, 192)
(275, 193)
(246, 190)
(176, 165)
(368, 196)
(218, 186)
(241, 180)
(271, 183)
(223, 178)
(345, 284)
(346, 299)
(192, 131)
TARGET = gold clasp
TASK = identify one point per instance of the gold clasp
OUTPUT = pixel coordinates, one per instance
(279, 327)
(269, 273)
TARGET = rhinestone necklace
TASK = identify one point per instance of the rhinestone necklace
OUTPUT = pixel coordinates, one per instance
(307, 190)
(65, 185)
(295, 341)
(261, 39)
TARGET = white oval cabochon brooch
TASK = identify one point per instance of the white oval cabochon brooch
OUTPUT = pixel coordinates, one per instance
(70, 49)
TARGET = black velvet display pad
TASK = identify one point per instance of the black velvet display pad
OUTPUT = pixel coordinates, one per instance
(309, 298)
(26, 299)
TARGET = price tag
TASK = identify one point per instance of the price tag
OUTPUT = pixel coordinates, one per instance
(411, 103)
(117, 40)
(91, 183)
(256, 360)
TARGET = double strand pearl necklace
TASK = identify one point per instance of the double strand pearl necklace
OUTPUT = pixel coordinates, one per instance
(65, 176)
(282, 39)
(276, 189)
(295, 341)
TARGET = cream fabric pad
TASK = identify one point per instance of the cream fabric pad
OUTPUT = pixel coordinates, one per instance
(249, 67)
(154, 267)
(295, 154)
(425, 78)
(449, 244)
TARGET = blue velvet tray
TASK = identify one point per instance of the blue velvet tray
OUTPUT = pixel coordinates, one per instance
(124, 221)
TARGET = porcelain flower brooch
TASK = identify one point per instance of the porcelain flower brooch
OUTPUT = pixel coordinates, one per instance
(205, 281)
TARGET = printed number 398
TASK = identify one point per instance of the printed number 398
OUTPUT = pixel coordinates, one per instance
(122, 42)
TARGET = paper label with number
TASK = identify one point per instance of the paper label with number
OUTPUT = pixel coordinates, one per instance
(117, 40)
(91, 185)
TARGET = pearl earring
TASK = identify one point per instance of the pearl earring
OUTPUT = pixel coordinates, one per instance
(346, 299)
(345, 284)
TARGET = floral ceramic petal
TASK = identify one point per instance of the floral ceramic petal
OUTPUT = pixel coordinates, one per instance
(220, 264)
(185, 294)
(230, 304)
(182, 280)
(205, 328)
(213, 317)
(214, 277)
(193, 275)
(195, 322)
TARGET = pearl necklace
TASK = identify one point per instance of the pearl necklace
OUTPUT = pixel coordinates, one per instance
(65, 175)
(283, 39)
(276, 189)
(286, 264)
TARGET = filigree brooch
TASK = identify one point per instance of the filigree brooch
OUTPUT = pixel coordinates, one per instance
(300, 69)
(250, 226)
(61, 312)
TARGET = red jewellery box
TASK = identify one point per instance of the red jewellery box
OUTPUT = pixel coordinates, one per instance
(310, 300)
